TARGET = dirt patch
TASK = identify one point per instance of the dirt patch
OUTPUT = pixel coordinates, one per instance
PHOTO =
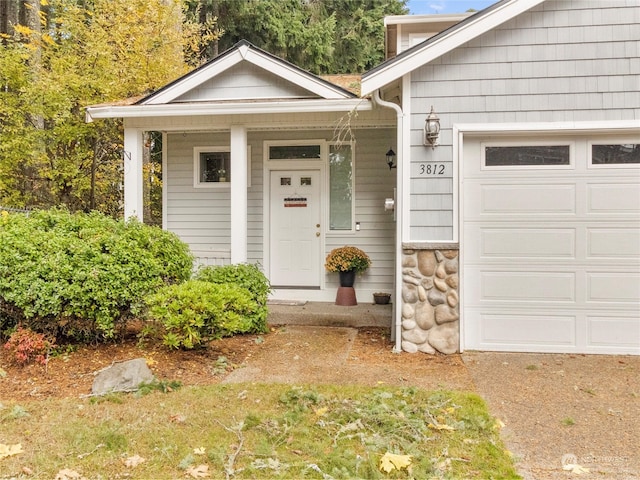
(369, 360)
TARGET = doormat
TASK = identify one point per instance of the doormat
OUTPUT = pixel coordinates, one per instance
(293, 303)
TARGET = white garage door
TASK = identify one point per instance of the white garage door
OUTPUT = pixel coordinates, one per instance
(551, 244)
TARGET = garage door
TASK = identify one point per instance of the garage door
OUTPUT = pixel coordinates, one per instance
(551, 244)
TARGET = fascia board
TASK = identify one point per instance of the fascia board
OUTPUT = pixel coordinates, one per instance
(559, 128)
(191, 81)
(306, 81)
(433, 49)
(245, 108)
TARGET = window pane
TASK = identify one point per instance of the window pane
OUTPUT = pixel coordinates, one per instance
(215, 167)
(615, 154)
(289, 152)
(527, 155)
(341, 187)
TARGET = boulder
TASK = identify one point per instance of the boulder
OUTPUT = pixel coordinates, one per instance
(122, 377)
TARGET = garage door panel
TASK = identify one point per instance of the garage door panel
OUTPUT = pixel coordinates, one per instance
(524, 242)
(626, 241)
(529, 286)
(618, 331)
(613, 198)
(613, 287)
(523, 199)
(522, 329)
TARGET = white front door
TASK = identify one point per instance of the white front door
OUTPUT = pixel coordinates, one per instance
(295, 230)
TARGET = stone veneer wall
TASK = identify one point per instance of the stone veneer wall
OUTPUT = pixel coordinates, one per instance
(430, 301)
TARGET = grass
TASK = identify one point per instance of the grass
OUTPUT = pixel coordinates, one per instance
(257, 431)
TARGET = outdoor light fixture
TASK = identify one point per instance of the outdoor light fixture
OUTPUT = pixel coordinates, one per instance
(391, 159)
(431, 129)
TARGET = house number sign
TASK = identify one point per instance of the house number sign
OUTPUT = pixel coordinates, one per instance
(295, 202)
(431, 169)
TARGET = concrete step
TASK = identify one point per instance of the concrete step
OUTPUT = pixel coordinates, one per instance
(326, 314)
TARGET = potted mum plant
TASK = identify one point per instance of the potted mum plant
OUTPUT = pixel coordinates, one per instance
(347, 261)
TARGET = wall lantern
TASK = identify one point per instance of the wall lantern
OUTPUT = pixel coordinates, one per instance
(431, 129)
(391, 159)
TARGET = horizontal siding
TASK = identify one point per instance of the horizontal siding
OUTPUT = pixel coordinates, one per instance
(563, 61)
(201, 217)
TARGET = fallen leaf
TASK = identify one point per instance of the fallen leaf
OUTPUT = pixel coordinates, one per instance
(27, 471)
(321, 411)
(199, 451)
(9, 450)
(440, 427)
(391, 461)
(201, 471)
(134, 461)
(68, 474)
(178, 418)
(575, 468)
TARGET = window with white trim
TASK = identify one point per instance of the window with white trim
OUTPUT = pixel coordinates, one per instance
(527, 155)
(340, 187)
(211, 166)
(615, 154)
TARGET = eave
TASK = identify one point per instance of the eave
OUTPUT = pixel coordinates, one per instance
(228, 108)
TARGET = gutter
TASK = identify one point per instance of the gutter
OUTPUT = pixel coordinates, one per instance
(397, 311)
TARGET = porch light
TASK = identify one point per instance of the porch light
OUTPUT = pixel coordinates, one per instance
(391, 159)
(431, 129)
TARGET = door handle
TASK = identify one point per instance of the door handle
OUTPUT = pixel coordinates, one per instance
(317, 234)
(317, 225)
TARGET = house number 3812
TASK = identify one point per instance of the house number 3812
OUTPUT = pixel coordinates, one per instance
(431, 169)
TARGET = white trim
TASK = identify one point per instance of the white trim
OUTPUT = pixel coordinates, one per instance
(405, 64)
(133, 154)
(239, 202)
(196, 167)
(424, 19)
(165, 180)
(228, 108)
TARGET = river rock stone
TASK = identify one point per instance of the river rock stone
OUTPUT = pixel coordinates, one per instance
(416, 335)
(452, 298)
(440, 284)
(450, 266)
(427, 283)
(445, 338)
(440, 272)
(439, 256)
(436, 297)
(411, 277)
(425, 316)
(409, 347)
(409, 261)
(453, 281)
(451, 254)
(408, 311)
(445, 314)
(422, 293)
(427, 263)
(409, 294)
(122, 377)
(426, 348)
(408, 324)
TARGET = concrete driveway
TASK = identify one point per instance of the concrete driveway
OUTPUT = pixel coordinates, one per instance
(564, 409)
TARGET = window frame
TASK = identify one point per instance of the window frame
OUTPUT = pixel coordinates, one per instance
(352, 146)
(617, 141)
(524, 144)
(197, 150)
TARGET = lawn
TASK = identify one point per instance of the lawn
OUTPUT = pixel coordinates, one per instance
(255, 431)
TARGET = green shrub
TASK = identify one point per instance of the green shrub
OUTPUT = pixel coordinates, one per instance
(247, 276)
(195, 312)
(78, 275)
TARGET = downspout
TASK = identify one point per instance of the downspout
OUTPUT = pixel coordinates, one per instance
(397, 311)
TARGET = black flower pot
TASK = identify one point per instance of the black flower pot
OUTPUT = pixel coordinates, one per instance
(347, 278)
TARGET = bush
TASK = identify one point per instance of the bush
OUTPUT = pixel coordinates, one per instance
(195, 312)
(79, 275)
(249, 277)
(26, 346)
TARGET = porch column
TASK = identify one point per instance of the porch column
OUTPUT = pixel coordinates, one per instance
(133, 206)
(239, 227)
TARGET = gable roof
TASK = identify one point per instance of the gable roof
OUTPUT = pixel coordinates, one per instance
(244, 51)
(442, 43)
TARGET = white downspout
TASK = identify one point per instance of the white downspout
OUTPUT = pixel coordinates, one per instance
(397, 310)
